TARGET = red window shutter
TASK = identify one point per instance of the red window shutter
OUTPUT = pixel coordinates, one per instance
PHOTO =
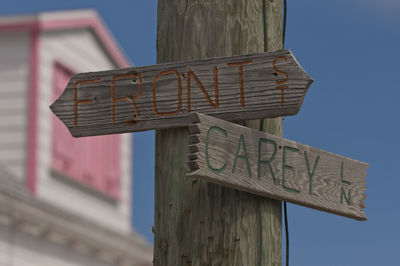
(91, 161)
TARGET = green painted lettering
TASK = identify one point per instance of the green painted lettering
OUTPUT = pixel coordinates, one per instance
(342, 192)
(222, 168)
(346, 198)
(341, 176)
(269, 161)
(310, 174)
(287, 167)
(245, 156)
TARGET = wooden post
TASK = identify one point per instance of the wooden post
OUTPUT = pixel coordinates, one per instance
(199, 223)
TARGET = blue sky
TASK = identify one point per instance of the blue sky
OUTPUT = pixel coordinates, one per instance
(351, 49)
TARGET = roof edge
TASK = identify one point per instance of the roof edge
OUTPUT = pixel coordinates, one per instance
(64, 20)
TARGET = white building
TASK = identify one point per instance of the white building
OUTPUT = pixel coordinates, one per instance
(63, 201)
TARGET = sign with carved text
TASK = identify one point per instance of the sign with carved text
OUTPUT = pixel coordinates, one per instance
(161, 96)
(246, 159)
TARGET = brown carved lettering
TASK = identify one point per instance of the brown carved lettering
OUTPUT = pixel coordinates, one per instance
(76, 101)
(114, 99)
(279, 82)
(153, 92)
(191, 74)
(241, 82)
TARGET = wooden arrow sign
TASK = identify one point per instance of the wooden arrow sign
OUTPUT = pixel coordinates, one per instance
(161, 96)
(260, 163)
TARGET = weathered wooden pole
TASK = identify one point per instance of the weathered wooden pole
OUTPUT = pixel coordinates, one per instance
(199, 223)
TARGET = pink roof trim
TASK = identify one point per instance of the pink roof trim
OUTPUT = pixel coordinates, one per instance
(92, 22)
(27, 26)
(32, 112)
(99, 29)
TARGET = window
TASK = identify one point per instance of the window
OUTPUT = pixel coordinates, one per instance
(93, 162)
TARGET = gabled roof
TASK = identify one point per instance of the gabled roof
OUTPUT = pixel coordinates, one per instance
(67, 20)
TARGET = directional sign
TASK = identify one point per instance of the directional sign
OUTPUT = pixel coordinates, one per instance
(161, 96)
(263, 164)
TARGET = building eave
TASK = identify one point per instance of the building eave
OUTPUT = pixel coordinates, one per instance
(31, 215)
(67, 20)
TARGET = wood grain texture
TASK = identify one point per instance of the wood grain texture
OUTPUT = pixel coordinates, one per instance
(197, 222)
(263, 164)
(160, 96)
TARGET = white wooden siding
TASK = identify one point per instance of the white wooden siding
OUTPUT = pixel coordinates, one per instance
(22, 249)
(80, 51)
(126, 177)
(14, 84)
